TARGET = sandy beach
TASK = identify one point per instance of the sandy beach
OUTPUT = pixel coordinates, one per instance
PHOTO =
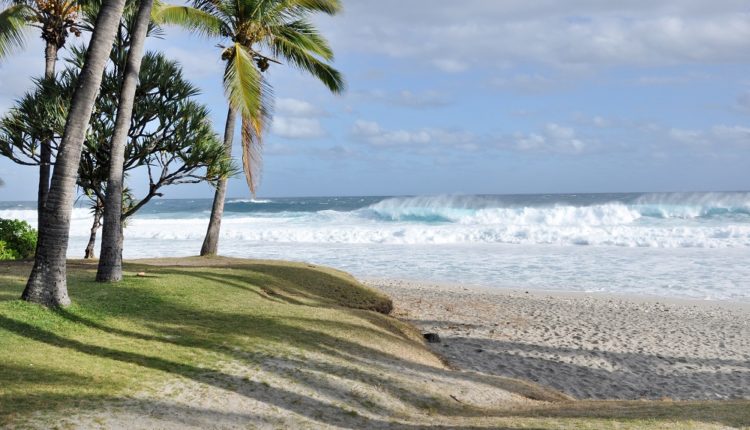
(586, 345)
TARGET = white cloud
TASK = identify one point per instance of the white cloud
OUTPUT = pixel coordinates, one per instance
(570, 34)
(450, 65)
(366, 128)
(297, 128)
(297, 119)
(715, 141)
(297, 108)
(735, 135)
(592, 135)
(687, 136)
(372, 133)
(553, 138)
(718, 136)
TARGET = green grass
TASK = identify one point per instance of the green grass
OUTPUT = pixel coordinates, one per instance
(186, 319)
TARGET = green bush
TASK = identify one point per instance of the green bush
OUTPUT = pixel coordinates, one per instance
(18, 239)
(6, 253)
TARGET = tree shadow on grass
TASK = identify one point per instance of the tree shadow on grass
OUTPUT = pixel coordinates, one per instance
(8, 295)
(170, 414)
(292, 284)
(332, 415)
(347, 351)
(311, 408)
(9, 376)
(176, 324)
(153, 311)
(13, 276)
(302, 335)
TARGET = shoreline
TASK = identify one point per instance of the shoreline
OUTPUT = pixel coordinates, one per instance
(587, 345)
(741, 306)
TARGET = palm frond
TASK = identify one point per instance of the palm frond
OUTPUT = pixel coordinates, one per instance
(299, 8)
(289, 47)
(196, 20)
(259, 31)
(242, 80)
(253, 128)
(330, 7)
(251, 96)
(303, 34)
(252, 153)
(13, 23)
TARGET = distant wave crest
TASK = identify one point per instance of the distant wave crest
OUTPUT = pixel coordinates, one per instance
(475, 210)
(437, 210)
(256, 201)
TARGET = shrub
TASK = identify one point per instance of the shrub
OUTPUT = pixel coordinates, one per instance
(6, 253)
(18, 237)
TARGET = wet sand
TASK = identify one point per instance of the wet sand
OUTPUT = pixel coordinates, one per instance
(589, 346)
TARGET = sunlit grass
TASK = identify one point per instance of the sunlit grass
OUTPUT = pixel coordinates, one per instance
(186, 319)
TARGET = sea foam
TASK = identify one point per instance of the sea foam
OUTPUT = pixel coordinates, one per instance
(680, 245)
(660, 221)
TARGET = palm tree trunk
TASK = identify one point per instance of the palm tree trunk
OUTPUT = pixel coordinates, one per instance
(211, 242)
(89, 254)
(45, 153)
(110, 261)
(47, 284)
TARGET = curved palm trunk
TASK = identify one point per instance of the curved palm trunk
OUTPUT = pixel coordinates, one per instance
(211, 242)
(89, 253)
(110, 260)
(47, 284)
(45, 153)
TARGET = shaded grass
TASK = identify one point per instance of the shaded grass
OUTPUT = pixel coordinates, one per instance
(188, 315)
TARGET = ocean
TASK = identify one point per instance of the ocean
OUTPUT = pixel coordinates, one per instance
(681, 245)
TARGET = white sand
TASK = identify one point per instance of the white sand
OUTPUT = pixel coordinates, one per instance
(588, 346)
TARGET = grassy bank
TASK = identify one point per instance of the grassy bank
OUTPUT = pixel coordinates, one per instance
(221, 342)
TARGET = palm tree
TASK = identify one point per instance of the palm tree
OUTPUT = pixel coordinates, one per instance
(56, 19)
(47, 284)
(110, 266)
(259, 33)
(170, 135)
(110, 262)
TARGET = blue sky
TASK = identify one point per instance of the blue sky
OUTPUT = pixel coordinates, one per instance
(485, 96)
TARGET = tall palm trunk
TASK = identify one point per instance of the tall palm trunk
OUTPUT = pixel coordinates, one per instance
(211, 242)
(47, 283)
(110, 258)
(45, 153)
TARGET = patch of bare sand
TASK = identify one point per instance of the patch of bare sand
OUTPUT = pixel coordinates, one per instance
(588, 346)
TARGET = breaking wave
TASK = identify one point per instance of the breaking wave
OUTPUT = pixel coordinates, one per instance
(688, 220)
